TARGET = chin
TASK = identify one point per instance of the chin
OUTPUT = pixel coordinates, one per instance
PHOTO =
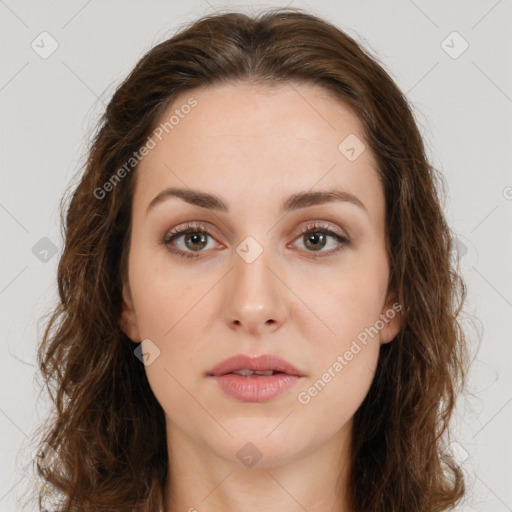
(253, 446)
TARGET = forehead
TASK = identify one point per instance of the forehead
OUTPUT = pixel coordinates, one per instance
(242, 140)
(244, 109)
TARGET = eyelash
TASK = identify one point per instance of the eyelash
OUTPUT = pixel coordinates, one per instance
(200, 228)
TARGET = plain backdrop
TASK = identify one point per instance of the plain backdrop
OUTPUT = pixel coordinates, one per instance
(452, 59)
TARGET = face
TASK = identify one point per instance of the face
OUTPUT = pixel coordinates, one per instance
(302, 280)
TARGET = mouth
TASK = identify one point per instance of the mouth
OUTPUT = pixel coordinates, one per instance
(257, 379)
(246, 372)
(262, 366)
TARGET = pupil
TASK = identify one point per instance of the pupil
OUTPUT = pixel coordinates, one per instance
(315, 237)
(196, 238)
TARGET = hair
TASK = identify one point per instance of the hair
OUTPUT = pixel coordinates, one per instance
(107, 429)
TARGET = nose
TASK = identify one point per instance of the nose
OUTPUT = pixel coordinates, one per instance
(254, 296)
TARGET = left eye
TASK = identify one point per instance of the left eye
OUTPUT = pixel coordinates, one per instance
(196, 236)
(316, 238)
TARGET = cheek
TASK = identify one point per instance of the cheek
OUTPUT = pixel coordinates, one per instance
(340, 302)
(172, 310)
(343, 337)
(344, 350)
(165, 297)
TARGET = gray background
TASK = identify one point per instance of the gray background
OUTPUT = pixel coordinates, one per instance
(462, 102)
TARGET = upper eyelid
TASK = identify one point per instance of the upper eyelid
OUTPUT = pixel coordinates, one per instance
(306, 225)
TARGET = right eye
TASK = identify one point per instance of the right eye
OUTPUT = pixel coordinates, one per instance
(193, 234)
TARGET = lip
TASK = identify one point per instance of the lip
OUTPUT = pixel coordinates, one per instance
(255, 388)
(259, 363)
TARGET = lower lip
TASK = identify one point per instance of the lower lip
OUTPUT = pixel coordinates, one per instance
(256, 388)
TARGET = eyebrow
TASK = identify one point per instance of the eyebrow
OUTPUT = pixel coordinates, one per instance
(294, 202)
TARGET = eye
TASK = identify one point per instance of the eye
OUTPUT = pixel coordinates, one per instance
(315, 236)
(195, 235)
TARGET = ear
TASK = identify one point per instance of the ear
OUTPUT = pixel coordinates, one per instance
(128, 320)
(392, 317)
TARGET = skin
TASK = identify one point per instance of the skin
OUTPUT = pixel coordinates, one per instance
(254, 147)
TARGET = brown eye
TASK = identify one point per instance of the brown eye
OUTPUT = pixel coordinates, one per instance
(316, 236)
(315, 240)
(195, 239)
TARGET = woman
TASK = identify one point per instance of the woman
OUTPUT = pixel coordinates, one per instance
(258, 310)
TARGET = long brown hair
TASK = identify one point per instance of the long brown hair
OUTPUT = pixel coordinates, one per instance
(107, 430)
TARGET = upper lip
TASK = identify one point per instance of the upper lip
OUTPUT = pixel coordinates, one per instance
(258, 363)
